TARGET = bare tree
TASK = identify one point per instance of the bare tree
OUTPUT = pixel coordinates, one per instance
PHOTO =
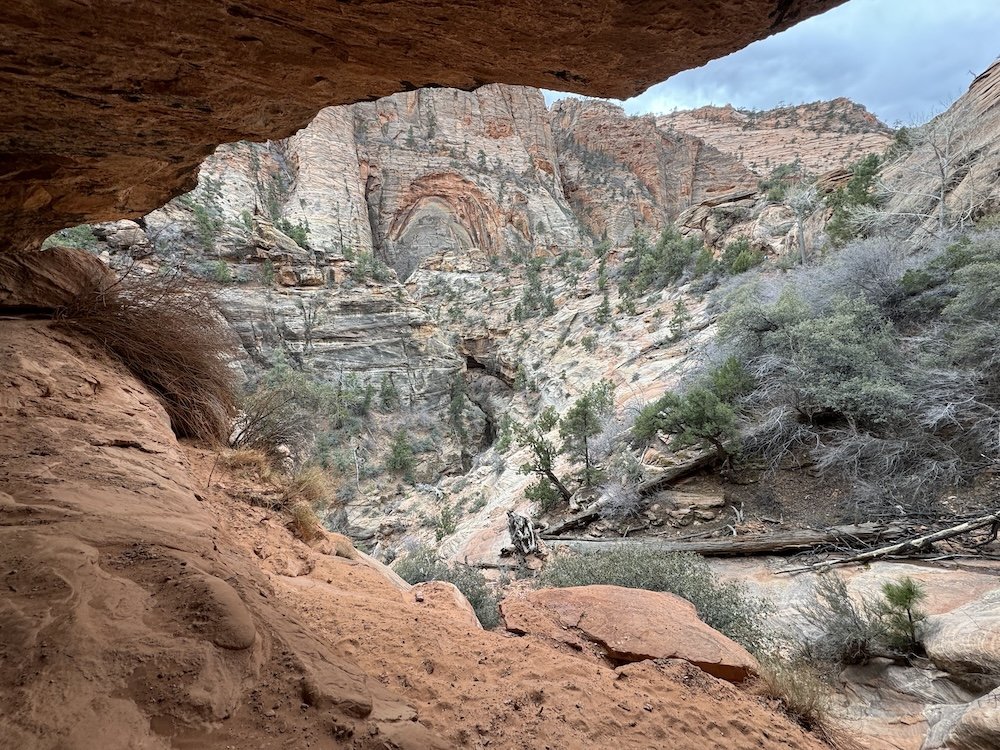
(934, 183)
(803, 200)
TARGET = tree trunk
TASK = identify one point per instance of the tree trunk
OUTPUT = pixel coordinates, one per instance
(522, 533)
(910, 545)
(777, 543)
(566, 494)
(802, 239)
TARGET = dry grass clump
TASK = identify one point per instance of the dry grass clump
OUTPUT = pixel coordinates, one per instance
(308, 490)
(169, 336)
(798, 688)
(249, 463)
(310, 485)
(270, 417)
(304, 522)
(803, 695)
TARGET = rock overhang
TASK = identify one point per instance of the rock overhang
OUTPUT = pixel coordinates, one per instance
(112, 105)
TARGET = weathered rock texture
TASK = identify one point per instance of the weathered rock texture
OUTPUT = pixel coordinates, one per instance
(821, 136)
(450, 170)
(129, 618)
(628, 625)
(108, 120)
(622, 172)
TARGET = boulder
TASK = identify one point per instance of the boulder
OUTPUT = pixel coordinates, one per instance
(966, 641)
(979, 726)
(48, 279)
(627, 625)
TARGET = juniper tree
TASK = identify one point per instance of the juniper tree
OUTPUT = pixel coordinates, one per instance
(584, 420)
(544, 452)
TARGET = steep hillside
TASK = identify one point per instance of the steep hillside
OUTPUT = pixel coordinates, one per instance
(821, 135)
(623, 173)
(148, 604)
(944, 175)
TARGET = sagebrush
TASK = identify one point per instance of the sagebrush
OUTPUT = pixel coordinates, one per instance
(423, 564)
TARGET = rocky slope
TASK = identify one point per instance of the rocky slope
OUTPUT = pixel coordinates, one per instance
(146, 606)
(822, 135)
(944, 175)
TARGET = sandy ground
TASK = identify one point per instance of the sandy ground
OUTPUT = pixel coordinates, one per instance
(140, 608)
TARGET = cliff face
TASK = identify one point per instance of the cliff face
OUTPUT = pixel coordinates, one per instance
(451, 170)
(625, 172)
(821, 135)
(945, 175)
(102, 123)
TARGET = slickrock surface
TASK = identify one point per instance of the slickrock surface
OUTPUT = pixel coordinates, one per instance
(821, 135)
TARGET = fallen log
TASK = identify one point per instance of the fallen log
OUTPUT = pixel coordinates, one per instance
(776, 543)
(671, 474)
(588, 514)
(914, 545)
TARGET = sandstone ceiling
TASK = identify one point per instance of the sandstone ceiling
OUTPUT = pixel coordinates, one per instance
(110, 105)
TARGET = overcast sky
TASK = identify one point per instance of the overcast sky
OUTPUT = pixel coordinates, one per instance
(903, 59)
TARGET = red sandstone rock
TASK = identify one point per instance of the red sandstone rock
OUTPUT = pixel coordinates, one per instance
(107, 116)
(628, 625)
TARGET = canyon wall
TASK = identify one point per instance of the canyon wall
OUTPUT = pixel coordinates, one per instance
(107, 120)
(821, 136)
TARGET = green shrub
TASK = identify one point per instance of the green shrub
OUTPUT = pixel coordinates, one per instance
(739, 257)
(367, 266)
(446, 524)
(221, 273)
(400, 459)
(859, 191)
(267, 274)
(725, 606)
(81, 237)
(776, 186)
(653, 267)
(861, 362)
(290, 407)
(902, 614)
(855, 631)
(423, 565)
(705, 415)
(388, 394)
(297, 232)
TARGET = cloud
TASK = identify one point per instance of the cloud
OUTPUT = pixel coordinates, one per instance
(903, 59)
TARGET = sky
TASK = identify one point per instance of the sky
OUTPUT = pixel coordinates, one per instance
(905, 60)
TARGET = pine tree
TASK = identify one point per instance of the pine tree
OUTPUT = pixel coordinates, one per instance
(584, 420)
(543, 451)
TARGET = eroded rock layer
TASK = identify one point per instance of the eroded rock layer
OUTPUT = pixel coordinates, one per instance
(108, 119)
